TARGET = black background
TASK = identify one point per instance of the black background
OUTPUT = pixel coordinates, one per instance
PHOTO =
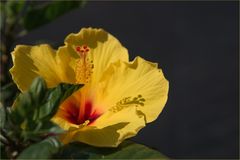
(196, 45)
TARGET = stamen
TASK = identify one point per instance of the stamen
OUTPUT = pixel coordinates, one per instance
(128, 101)
(84, 65)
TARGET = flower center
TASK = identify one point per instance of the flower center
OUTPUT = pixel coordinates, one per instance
(84, 65)
(78, 114)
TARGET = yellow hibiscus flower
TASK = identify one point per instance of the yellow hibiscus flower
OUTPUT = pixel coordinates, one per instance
(118, 98)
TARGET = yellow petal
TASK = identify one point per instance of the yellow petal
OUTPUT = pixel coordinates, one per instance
(60, 66)
(63, 123)
(33, 61)
(109, 130)
(123, 82)
(140, 83)
(103, 49)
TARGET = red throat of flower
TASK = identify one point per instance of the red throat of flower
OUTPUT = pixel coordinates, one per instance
(77, 113)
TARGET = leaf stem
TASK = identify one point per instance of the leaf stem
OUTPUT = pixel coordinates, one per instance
(3, 140)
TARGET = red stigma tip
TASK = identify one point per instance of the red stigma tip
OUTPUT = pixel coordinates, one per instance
(78, 48)
(82, 49)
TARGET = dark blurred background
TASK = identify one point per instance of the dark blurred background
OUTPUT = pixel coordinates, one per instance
(197, 46)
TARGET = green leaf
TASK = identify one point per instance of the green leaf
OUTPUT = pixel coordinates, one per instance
(50, 128)
(55, 97)
(33, 109)
(2, 15)
(43, 130)
(2, 116)
(41, 150)
(38, 89)
(37, 16)
(39, 102)
(8, 94)
(22, 109)
(13, 9)
(127, 150)
(29, 119)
